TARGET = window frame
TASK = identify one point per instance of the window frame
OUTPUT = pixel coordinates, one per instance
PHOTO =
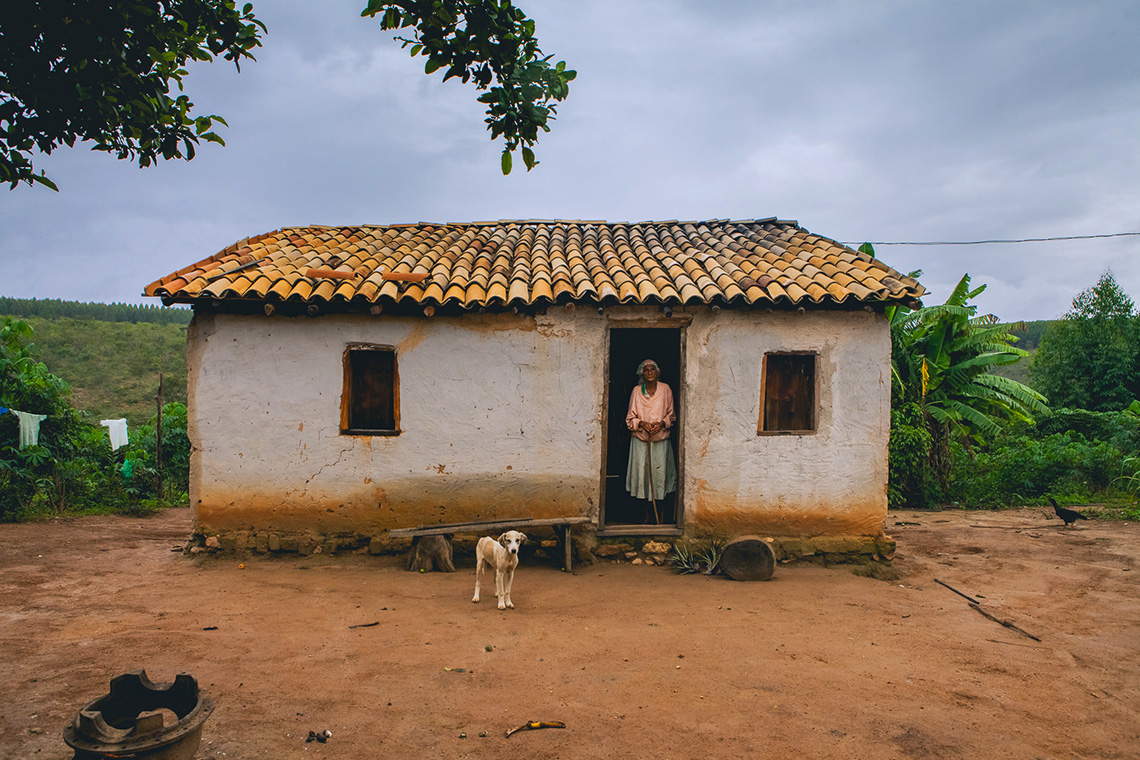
(814, 386)
(346, 404)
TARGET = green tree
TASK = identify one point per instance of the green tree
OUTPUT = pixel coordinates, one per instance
(142, 455)
(1090, 358)
(103, 71)
(942, 357)
(73, 468)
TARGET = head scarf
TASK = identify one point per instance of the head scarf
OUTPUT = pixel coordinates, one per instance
(641, 373)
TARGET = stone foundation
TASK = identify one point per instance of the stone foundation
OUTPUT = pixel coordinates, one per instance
(825, 550)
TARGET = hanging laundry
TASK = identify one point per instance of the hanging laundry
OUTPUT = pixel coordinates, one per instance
(29, 427)
(118, 432)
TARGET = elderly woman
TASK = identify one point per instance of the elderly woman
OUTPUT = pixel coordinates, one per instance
(652, 473)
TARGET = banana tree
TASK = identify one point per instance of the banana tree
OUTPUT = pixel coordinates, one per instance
(947, 358)
(942, 357)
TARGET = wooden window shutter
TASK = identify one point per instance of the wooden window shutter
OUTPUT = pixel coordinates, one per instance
(370, 394)
(789, 393)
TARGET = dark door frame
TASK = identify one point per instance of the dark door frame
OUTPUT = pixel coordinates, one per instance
(678, 322)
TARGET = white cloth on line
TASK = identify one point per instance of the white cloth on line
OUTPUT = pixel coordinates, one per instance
(29, 427)
(118, 432)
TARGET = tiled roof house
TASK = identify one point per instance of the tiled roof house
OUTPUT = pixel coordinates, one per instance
(345, 381)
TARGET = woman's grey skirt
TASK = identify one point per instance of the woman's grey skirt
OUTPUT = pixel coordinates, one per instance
(663, 468)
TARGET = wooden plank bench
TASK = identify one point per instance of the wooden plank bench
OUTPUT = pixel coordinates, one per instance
(563, 527)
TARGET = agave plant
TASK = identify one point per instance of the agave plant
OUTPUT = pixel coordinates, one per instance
(684, 559)
(688, 558)
(711, 556)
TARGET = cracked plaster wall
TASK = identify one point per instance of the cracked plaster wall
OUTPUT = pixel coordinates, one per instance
(830, 482)
(500, 417)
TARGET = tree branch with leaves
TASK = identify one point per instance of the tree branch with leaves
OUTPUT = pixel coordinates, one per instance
(489, 43)
(110, 72)
(74, 71)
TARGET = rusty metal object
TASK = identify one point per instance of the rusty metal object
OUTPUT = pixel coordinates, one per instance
(128, 721)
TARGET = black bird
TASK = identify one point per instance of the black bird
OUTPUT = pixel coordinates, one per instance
(1070, 516)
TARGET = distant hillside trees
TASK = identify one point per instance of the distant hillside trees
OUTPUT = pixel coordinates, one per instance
(53, 308)
(1028, 334)
(1090, 359)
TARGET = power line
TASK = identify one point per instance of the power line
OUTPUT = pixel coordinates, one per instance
(987, 242)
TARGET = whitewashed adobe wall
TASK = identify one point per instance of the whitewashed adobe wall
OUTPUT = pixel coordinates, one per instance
(831, 482)
(496, 411)
(501, 416)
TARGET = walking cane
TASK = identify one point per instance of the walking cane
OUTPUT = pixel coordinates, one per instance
(649, 473)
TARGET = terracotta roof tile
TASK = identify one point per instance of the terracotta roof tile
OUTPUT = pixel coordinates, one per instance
(485, 264)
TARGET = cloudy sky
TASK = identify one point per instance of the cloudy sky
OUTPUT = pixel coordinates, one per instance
(865, 121)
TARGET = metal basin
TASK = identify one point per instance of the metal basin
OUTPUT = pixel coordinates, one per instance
(140, 719)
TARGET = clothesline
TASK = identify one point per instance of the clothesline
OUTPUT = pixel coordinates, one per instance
(30, 428)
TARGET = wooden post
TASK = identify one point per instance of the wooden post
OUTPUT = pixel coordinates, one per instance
(158, 436)
(431, 551)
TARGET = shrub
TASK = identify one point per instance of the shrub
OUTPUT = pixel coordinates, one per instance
(1023, 470)
(912, 480)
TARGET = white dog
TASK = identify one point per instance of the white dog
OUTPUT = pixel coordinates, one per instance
(503, 555)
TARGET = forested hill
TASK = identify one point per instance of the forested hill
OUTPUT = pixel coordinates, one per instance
(53, 308)
(1028, 336)
(1029, 333)
(111, 354)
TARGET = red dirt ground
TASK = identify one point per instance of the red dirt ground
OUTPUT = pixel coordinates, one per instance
(638, 662)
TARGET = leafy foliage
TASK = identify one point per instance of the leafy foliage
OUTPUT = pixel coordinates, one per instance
(73, 71)
(27, 385)
(492, 44)
(1024, 469)
(1091, 358)
(142, 454)
(1078, 453)
(947, 355)
(103, 72)
(912, 479)
(942, 359)
(1029, 334)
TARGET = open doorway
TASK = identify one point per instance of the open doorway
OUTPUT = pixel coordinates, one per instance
(628, 347)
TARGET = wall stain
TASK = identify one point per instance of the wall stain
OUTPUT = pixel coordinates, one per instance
(402, 503)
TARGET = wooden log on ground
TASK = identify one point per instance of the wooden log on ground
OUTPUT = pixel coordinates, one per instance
(431, 553)
(748, 558)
